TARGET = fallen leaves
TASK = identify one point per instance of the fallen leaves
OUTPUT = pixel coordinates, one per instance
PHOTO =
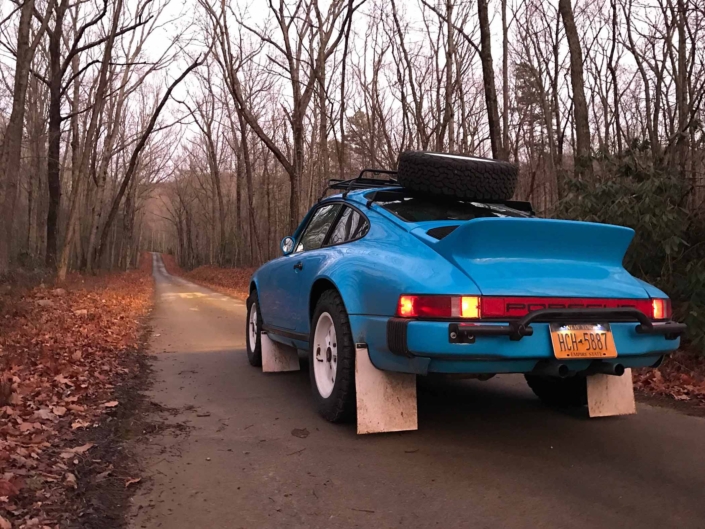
(70, 480)
(68, 454)
(61, 379)
(79, 423)
(302, 433)
(8, 489)
(680, 377)
(132, 481)
(62, 352)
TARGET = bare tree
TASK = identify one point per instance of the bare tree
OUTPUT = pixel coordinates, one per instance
(11, 147)
(580, 111)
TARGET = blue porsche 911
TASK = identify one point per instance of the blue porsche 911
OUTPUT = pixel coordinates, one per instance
(438, 271)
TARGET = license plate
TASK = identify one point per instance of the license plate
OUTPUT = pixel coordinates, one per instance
(576, 341)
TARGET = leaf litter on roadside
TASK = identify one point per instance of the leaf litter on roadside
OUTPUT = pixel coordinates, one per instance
(60, 360)
(680, 377)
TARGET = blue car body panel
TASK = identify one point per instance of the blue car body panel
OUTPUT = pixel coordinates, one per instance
(484, 256)
(497, 354)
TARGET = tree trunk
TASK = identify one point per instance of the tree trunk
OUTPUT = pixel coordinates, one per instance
(615, 86)
(682, 93)
(54, 149)
(76, 168)
(244, 143)
(11, 148)
(488, 82)
(505, 80)
(448, 123)
(583, 163)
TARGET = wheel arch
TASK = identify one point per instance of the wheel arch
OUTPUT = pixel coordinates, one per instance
(317, 289)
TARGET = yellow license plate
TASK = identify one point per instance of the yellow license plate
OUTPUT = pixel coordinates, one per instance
(584, 340)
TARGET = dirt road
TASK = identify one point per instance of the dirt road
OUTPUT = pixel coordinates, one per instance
(254, 454)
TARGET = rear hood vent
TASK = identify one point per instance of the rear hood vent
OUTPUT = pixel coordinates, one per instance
(441, 232)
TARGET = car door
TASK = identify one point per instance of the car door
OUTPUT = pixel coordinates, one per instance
(308, 258)
(279, 279)
(349, 225)
(278, 290)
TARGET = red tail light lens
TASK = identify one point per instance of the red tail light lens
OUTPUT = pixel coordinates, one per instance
(439, 307)
(508, 307)
(661, 309)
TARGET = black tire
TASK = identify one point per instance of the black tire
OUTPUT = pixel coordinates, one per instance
(254, 356)
(555, 391)
(340, 405)
(457, 176)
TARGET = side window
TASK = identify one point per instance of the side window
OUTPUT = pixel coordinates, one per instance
(350, 226)
(318, 227)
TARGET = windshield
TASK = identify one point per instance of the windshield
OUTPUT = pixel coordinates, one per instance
(415, 209)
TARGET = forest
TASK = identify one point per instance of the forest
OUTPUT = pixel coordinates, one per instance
(206, 129)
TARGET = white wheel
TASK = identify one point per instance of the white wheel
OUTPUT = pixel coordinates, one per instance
(325, 355)
(253, 339)
(252, 327)
(331, 359)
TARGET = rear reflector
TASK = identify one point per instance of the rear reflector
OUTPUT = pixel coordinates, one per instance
(516, 307)
(502, 307)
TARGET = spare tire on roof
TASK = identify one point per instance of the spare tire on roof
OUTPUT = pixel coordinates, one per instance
(450, 175)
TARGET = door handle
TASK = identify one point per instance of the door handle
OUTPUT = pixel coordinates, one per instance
(299, 266)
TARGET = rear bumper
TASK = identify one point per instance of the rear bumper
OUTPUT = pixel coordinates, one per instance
(518, 329)
(422, 347)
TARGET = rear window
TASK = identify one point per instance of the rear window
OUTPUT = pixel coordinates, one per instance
(415, 209)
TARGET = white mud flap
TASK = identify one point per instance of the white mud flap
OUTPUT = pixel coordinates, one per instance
(278, 357)
(386, 402)
(609, 395)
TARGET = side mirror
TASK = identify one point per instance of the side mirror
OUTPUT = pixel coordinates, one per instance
(287, 245)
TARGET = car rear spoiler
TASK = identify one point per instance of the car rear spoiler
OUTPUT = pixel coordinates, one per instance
(534, 238)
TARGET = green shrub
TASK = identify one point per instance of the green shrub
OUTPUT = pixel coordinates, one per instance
(669, 246)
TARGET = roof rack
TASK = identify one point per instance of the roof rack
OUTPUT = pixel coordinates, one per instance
(362, 183)
(396, 194)
(371, 183)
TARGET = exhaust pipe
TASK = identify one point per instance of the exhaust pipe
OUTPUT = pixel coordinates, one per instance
(552, 369)
(606, 368)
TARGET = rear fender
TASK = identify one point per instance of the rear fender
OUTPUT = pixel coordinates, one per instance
(373, 286)
(370, 274)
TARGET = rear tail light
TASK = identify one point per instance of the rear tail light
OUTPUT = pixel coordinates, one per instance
(470, 307)
(439, 307)
(507, 307)
(661, 309)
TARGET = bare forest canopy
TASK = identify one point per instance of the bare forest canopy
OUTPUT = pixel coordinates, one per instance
(207, 128)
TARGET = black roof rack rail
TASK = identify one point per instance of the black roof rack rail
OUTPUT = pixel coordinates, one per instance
(361, 182)
(395, 194)
(520, 205)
